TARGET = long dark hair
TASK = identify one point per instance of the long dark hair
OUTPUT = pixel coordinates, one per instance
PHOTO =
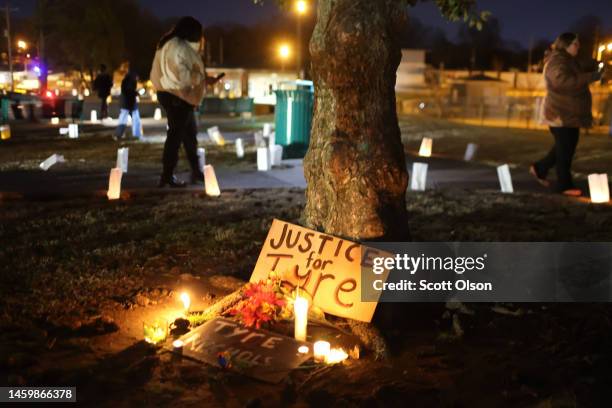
(564, 40)
(187, 28)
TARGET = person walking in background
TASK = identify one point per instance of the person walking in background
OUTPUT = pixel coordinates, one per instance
(567, 108)
(103, 85)
(129, 106)
(180, 79)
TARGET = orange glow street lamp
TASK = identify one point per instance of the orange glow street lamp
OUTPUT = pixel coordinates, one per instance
(284, 52)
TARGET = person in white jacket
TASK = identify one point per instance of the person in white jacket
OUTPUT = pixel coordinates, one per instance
(180, 80)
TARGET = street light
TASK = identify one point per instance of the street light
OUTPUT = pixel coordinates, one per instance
(301, 7)
(284, 51)
(22, 45)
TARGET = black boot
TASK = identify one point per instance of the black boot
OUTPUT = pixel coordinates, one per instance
(171, 181)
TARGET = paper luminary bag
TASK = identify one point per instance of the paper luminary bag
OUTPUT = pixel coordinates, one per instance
(73, 130)
(158, 114)
(51, 160)
(211, 184)
(276, 155)
(239, 148)
(263, 159)
(505, 179)
(598, 187)
(114, 184)
(326, 268)
(122, 159)
(94, 116)
(201, 157)
(215, 136)
(418, 178)
(267, 128)
(426, 145)
(470, 151)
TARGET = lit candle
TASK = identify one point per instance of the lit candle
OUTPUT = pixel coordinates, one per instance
(335, 356)
(300, 311)
(186, 301)
(303, 349)
(321, 350)
(177, 346)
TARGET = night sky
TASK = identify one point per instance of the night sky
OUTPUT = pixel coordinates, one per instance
(520, 19)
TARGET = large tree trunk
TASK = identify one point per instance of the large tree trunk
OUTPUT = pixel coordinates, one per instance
(355, 166)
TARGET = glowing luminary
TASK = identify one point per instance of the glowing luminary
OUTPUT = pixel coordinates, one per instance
(51, 160)
(73, 130)
(5, 132)
(215, 136)
(276, 155)
(239, 148)
(505, 179)
(418, 178)
(55, 120)
(470, 151)
(321, 350)
(335, 356)
(202, 157)
(263, 159)
(114, 184)
(425, 150)
(267, 128)
(300, 311)
(122, 159)
(210, 181)
(303, 349)
(158, 114)
(598, 186)
(93, 116)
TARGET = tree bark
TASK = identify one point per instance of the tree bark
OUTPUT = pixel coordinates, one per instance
(355, 166)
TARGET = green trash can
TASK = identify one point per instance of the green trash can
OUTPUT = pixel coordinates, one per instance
(5, 105)
(293, 117)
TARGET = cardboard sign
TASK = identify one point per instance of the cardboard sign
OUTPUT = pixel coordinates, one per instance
(325, 267)
(257, 353)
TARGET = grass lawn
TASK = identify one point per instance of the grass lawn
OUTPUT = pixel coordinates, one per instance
(501, 145)
(78, 277)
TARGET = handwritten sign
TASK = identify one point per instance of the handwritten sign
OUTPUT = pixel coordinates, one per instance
(326, 267)
(257, 353)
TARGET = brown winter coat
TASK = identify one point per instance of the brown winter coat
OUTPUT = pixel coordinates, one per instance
(568, 98)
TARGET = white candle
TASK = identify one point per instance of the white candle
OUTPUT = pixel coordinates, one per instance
(321, 350)
(335, 356)
(300, 311)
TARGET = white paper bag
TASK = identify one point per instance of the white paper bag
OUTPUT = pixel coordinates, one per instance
(418, 178)
(470, 151)
(598, 187)
(122, 159)
(276, 155)
(505, 179)
(51, 160)
(263, 159)
(114, 184)
(211, 184)
(239, 148)
(201, 157)
(73, 130)
(426, 145)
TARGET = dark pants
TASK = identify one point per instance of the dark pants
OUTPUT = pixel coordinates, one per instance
(182, 128)
(103, 107)
(561, 156)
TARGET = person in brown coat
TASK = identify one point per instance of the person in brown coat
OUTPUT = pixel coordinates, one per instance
(567, 108)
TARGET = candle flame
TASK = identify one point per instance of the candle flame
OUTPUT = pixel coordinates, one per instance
(335, 356)
(177, 343)
(303, 349)
(186, 300)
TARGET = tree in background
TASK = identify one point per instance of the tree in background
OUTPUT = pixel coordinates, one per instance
(355, 166)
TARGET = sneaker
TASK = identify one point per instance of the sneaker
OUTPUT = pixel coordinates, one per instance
(171, 181)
